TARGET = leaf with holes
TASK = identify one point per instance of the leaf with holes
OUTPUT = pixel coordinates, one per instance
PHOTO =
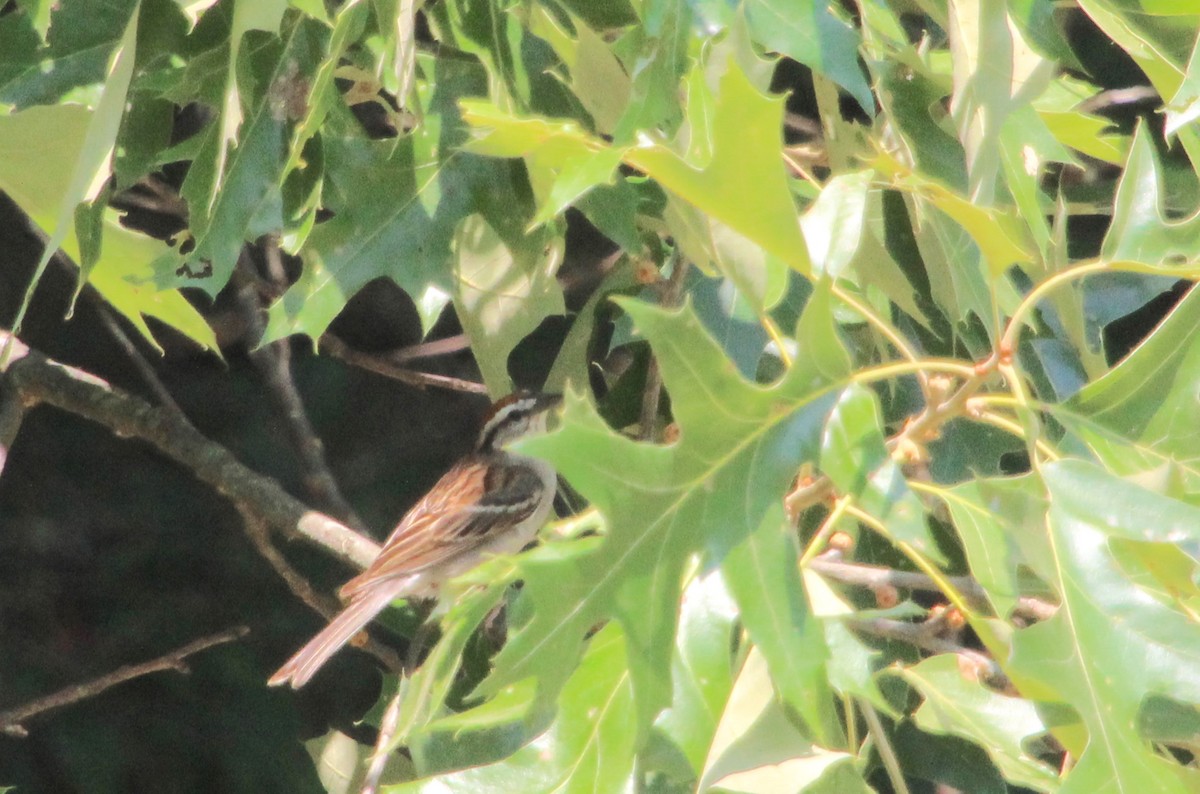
(740, 447)
(1115, 642)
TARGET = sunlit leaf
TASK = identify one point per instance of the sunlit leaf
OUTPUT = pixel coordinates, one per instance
(1151, 438)
(503, 294)
(1139, 231)
(1112, 643)
(588, 748)
(702, 671)
(854, 457)
(664, 504)
(763, 575)
(757, 750)
(743, 183)
(39, 150)
(1000, 724)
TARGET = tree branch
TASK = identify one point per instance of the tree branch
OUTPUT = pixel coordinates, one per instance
(12, 413)
(37, 379)
(274, 364)
(325, 606)
(389, 369)
(873, 576)
(652, 394)
(12, 719)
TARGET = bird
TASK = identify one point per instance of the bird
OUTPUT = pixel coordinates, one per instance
(492, 501)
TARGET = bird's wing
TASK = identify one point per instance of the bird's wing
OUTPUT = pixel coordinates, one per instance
(457, 515)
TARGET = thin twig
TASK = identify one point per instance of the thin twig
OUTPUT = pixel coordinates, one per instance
(387, 731)
(12, 413)
(149, 376)
(653, 391)
(38, 379)
(434, 347)
(11, 721)
(887, 753)
(273, 362)
(1118, 96)
(325, 606)
(874, 576)
(384, 366)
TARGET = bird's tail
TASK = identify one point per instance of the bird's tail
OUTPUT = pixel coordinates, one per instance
(351, 620)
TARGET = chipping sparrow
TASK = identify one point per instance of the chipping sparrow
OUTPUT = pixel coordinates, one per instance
(491, 502)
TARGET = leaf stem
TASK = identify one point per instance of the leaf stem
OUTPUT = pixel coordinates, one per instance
(896, 369)
(827, 526)
(1012, 331)
(1008, 425)
(952, 593)
(777, 337)
(887, 753)
(882, 326)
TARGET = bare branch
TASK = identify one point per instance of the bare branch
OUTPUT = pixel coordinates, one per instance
(435, 347)
(387, 732)
(11, 721)
(12, 413)
(325, 606)
(274, 364)
(38, 379)
(149, 376)
(653, 390)
(874, 576)
(386, 367)
(928, 636)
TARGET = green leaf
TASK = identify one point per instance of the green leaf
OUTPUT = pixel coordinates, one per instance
(92, 168)
(19, 56)
(663, 504)
(1154, 439)
(809, 32)
(1112, 643)
(503, 294)
(996, 232)
(757, 750)
(1138, 231)
(39, 151)
(248, 15)
(857, 663)
(833, 225)
(856, 460)
(78, 52)
(655, 54)
(589, 747)
(426, 690)
(351, 19)
(421, 188)
(702, 670)
(743, 183)
(235, 197)
(959, 706)
(991, 516)
(1184, 106)
(764, 576)
(1143, 41)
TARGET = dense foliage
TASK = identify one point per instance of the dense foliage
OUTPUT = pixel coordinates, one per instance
(905, 513)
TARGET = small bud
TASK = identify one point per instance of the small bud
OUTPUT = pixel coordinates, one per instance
(886, 596)
(939, 388)
(841, 541)
(671, 433)
(646, 272)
